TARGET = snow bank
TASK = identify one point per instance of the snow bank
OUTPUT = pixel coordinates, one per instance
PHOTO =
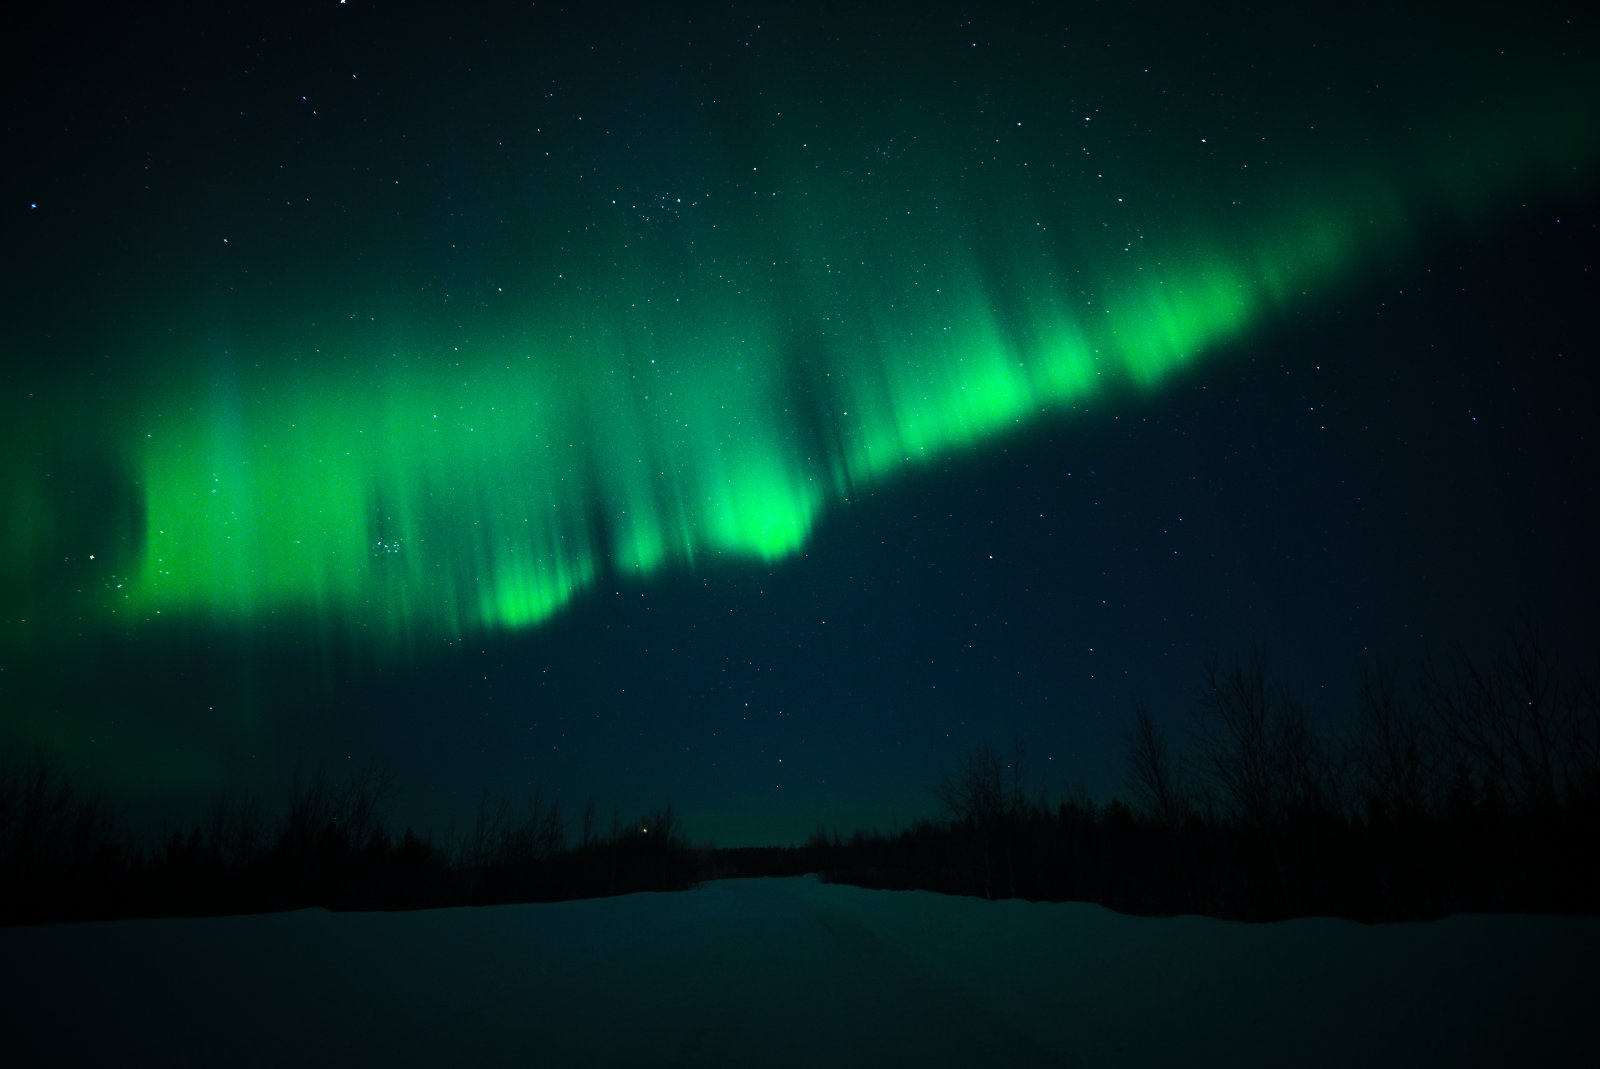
(793, 972)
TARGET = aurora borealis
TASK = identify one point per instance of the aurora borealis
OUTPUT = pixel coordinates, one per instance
(395, 338)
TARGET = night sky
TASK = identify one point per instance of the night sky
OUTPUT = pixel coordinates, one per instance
(753, 407)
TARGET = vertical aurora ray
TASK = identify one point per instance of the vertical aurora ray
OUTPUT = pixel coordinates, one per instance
(727, 349)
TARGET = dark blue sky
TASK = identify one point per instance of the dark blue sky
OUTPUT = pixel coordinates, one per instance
(1393, 459)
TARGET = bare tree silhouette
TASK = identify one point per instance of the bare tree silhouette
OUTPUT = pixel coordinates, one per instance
(1396, 752)
(1258, 749)
(1519, 724)
(986, 796)
(1152, 773)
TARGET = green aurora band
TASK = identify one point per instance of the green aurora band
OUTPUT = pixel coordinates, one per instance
(709, 374)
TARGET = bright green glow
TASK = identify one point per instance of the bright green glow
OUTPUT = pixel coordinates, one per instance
(701, 385)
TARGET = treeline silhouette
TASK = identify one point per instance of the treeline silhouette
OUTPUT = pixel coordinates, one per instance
(1470, 787)
(64, 857)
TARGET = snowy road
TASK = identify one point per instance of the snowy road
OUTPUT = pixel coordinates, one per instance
(792, 972)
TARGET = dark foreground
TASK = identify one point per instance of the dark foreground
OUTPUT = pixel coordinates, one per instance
(795, 972)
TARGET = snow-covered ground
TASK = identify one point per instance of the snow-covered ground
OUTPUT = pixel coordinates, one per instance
(794, 972)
